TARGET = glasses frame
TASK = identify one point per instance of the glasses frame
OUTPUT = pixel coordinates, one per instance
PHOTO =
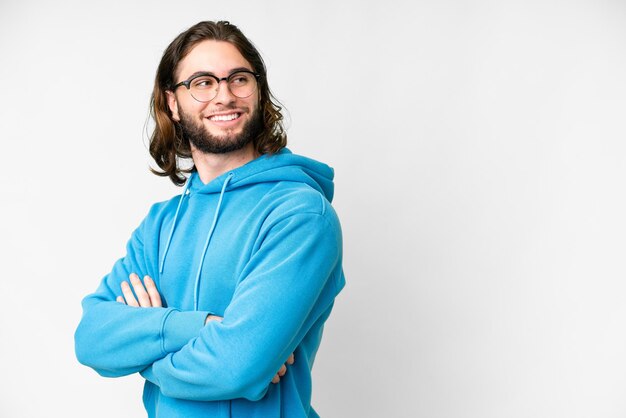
(187, 83)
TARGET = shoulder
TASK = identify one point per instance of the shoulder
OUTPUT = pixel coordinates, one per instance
(293, 201)
(290, 198)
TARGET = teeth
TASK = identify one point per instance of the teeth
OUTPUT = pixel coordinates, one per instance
(232, 116)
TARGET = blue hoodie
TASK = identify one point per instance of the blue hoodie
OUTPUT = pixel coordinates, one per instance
(260, 246)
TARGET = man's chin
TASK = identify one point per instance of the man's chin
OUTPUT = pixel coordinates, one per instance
(224, 135)
(220, 144)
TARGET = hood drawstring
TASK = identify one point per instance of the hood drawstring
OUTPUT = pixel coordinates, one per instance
(169, 238)
(208, 239)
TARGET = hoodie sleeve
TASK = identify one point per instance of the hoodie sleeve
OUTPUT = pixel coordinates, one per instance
(115, 339)
(289, 284)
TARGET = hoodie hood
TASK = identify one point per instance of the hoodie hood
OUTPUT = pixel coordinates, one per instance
(282, 166)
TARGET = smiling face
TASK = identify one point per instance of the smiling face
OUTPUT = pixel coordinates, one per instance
(227, 123)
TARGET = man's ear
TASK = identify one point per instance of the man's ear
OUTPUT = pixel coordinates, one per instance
(173, 105)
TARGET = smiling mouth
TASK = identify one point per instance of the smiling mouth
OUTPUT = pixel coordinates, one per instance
(224, 118)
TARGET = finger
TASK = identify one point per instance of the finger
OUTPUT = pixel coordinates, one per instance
(275, 379)
(291, 359)
(140, 291)
(212, 318)
(128, 295)
(153, 293)
(282, 370)
(120, 299)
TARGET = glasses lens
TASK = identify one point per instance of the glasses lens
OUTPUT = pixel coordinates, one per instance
(204, 88)
(242, 84)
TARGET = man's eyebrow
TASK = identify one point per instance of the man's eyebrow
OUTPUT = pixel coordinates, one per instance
(198, 73)
(234, 70)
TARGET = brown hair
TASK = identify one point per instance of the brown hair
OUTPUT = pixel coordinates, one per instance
(167, 144)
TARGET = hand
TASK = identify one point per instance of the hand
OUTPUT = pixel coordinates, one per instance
(283, 369)
(147, 296)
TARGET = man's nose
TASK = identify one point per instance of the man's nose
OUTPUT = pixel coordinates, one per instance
(224, 95)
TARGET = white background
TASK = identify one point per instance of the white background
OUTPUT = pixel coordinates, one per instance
(480, 158)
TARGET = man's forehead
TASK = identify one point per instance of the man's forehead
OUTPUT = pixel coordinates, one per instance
(217, 57)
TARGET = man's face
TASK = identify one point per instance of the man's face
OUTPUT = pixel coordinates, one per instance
(226, 123)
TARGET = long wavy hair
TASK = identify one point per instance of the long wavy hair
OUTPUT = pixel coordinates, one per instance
(168, 146)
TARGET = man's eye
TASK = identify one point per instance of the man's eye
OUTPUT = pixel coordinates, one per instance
(239, 80)
(203, 82)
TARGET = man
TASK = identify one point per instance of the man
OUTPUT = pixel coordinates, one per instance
(241, 270)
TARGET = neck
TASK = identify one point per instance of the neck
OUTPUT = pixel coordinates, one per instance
(210, 166)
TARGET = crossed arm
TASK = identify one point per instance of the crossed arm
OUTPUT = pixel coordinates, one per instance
(275, 305)
(147, 296)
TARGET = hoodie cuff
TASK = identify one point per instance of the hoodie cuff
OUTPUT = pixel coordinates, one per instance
(180, 327)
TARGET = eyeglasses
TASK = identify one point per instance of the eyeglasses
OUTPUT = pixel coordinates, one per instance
(204, 86)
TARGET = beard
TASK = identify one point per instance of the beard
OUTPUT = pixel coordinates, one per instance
(197, 135)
